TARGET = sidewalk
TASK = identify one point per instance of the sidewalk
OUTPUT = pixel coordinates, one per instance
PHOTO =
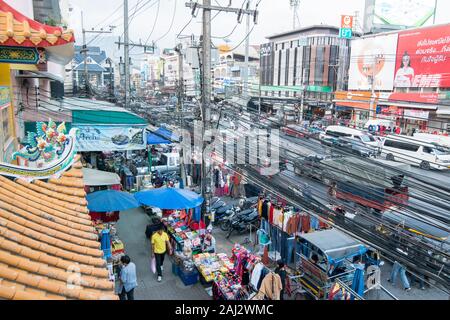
(131, 230)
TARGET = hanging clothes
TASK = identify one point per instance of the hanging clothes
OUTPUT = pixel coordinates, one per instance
(271, 287)
(314, 223)
(265, 210)
(272, 208)
(292, 224)
(259, 206)
(256, 275)
(306, 223)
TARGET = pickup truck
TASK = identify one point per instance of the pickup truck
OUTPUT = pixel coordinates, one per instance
(166, 162)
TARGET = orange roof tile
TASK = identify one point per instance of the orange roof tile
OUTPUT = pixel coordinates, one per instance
(49, 248)
(18, 30)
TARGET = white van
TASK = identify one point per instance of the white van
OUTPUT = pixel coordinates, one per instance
(415, 152)
(433, 138)
(341, 132)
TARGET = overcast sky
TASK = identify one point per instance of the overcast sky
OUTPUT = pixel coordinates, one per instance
(275, 16)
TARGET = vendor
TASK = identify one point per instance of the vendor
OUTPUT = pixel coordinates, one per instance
(209, 243)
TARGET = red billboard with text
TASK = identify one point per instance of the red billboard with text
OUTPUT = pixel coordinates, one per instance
(423, 58)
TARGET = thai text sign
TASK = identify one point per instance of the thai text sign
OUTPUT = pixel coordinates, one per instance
(423, 58)
(111, 138)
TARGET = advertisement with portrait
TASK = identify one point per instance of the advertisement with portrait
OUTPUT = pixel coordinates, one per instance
(373, 57)
(423, 58)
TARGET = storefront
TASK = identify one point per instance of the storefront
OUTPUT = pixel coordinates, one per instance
(357, 107)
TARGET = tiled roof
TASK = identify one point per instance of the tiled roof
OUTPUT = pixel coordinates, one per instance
(48, 246)
(92, 67)
(18, 30)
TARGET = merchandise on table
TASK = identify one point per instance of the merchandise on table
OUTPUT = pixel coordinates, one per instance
(209, 264)
(228, 287)
(180, 232)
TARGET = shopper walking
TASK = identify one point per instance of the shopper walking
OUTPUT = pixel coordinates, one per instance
(281, 271)
(127, 279)
(396, 269)
(160, 245)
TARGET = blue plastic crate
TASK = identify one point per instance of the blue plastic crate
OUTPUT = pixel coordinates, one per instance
(189, 278)
(175, 269)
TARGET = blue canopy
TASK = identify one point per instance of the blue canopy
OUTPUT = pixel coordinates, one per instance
(155, 139)
(110, 200)
(167, 134)
(169, 198)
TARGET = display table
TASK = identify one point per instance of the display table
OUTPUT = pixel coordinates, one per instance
(228, 287)
(179, 232)
(211, 265)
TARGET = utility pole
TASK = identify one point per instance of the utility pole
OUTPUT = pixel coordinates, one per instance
(206, 75)
(85, 50)
(126, 53)
(247, 46)
(206, 94)
(180, 110)
(376, 60)
(294, 5)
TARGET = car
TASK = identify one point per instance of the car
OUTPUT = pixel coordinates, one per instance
(357, 147)
(312, 166)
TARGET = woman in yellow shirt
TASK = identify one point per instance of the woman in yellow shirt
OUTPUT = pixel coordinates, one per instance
(160, 244)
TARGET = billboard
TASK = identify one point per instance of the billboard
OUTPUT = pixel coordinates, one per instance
(398, 14)
(423, 58)
(373, 57)
(111, 138)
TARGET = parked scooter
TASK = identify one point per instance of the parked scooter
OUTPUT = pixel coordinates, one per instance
(242, 222)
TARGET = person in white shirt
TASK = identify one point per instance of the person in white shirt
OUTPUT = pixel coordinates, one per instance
(405, 74)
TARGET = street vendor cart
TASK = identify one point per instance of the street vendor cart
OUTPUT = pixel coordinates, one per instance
(324, 257)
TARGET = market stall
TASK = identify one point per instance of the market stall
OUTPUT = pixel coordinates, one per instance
(104, 207)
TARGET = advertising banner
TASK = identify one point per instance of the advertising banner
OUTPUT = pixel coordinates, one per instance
(416, 114)
(423, 58)
(373, 58)
(405, 13)
(111, 138)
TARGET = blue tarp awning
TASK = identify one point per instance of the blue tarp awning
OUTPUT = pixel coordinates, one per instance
(169, 198)
(163, 132)
(155, 139)
(110, 200)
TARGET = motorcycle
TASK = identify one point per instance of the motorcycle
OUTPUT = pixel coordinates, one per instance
(245, 206)
(243, 221)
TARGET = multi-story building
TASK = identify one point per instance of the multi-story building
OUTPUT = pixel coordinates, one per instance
(229, 70)
(172, 76)
(309, 63)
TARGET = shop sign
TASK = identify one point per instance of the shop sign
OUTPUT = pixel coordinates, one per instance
(416, 114)
(319, 89)
(110, 138)
(415, 97)
(422, 58)
(22, 55)
(372, 63)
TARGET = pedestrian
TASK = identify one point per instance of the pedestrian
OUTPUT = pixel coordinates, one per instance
(127, 279)
(396, 269)
(281, 271)
(209, 243)
(160, 245)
